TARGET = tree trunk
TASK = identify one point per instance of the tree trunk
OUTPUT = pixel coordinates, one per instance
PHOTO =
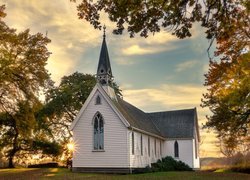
(14, 149)
(11, 165)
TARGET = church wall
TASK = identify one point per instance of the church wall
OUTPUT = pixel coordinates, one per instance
(137, 160)
(115, 138)
(186, 152)
(196, 158)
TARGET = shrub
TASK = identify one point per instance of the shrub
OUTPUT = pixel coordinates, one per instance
(241, 169)
(45, 165)
(170, 164)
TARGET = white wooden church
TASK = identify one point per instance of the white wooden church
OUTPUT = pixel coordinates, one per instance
(111, 135)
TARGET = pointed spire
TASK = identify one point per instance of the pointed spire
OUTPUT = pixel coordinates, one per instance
(104, 31)
(104, 72)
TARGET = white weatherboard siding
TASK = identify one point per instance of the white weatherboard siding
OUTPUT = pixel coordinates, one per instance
(140, 161)
(115, 138)
(185, 150)
(196, 158)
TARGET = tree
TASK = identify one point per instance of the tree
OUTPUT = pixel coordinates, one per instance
(22, 76)
(65, 101)
(228, 98)
(220, 18)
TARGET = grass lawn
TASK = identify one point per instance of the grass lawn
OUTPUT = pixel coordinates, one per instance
(60, 173)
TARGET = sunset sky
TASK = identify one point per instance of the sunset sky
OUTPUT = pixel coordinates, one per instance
(158, 73)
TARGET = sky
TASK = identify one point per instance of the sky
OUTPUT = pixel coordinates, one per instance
(157, 73)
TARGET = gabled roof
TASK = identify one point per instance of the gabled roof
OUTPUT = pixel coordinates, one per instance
(175, 124)
(98, 88)
(168, 124)
(136, 117)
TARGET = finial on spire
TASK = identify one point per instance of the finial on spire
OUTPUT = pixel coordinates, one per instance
(104, 31)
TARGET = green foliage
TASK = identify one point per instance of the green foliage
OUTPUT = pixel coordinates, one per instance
(170, 164)
(23, 75)
(47, 147)
(62, 104)
(240, 168)
(229, 101)
(44, 165)
(221, 19)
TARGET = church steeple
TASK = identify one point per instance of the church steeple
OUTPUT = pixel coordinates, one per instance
(104, 72)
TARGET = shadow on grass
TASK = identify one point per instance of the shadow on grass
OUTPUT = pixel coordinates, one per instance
(63, 173)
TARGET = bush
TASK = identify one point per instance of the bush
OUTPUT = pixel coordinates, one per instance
(45, 165)
(241, 169)
(170, 164)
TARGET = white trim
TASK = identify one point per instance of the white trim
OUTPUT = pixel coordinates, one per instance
(147, 133)
(178, 139)
(107, 98)
(83, 107)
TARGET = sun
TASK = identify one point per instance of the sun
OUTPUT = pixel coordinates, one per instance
(71, 146)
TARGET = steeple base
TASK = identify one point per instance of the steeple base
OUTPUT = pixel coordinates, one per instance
(110, 91)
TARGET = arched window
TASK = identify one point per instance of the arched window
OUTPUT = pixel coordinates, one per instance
(148, 146)
(160, 149)
(98, 100)
(98, 132)
(176, 149)
(141, 145)
(133, 143)
(155, 147)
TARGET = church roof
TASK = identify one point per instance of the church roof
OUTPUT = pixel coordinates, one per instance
(175, 124)
(136, 117)
(168, 124)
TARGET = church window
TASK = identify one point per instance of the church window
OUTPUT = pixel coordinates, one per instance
(98, 132)
(155, 147)
(141, 145)
(133, 143)
(98, 100)
(148, 146)
(160, 149)
(176, 149)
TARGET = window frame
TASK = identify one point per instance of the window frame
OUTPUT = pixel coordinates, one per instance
(98, 100)
(98, 138)
(133, 143)
(148, 146)
(155, 148)
(176, 149)
(141, 145)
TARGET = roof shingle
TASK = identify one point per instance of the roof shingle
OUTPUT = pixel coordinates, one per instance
(168, 124)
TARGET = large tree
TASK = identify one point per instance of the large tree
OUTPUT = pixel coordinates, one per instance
(220, 18)
(22, 77)
(63, 102)
(228, 98)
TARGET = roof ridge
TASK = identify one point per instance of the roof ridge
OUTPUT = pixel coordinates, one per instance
(146, 114)
(171, 110)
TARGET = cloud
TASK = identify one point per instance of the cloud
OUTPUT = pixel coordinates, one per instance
(173, 97)
(161, 38)
(125, 61)
(167, 96)
(186, 65)
(137, 50)
(70, 36)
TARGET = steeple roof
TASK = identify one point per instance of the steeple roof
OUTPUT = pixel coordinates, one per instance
(104, 67)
